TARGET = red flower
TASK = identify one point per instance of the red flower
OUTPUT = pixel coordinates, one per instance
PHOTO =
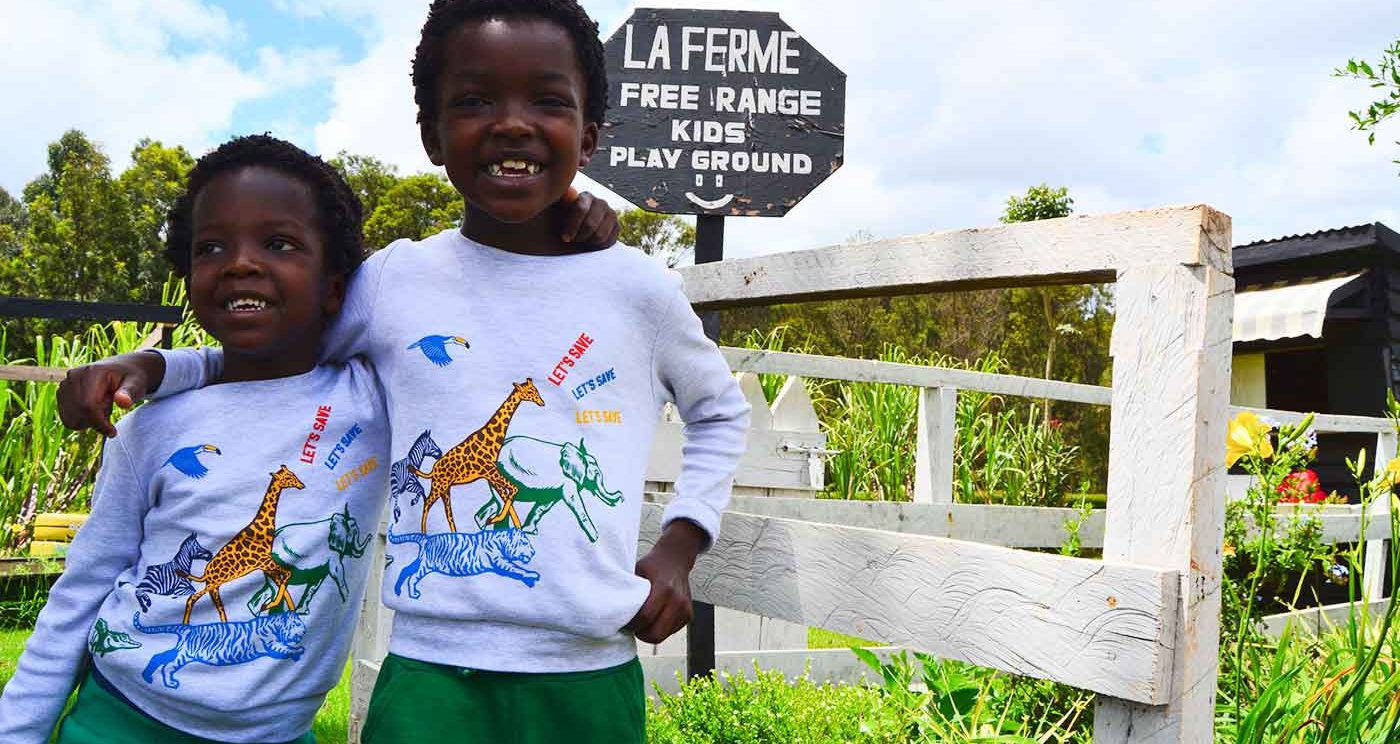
(1303, 487)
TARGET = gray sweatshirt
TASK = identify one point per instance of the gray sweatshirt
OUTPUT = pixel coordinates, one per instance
(523, 393)
(267, 492)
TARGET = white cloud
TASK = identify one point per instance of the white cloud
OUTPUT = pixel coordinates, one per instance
(126, 70)
(952, 107)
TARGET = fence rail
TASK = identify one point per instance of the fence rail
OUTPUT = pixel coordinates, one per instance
(1141, 626)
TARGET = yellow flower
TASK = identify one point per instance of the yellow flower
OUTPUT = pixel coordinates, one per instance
(1392, 473)
(1248, 436)
(1228, 550)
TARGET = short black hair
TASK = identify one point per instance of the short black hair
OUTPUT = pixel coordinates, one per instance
(337, 207)
(446, 16)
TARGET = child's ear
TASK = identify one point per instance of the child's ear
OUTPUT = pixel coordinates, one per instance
(335, 295)
(588, 144)
(427, 131)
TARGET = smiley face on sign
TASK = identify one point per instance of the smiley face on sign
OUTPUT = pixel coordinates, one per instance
(718, 113)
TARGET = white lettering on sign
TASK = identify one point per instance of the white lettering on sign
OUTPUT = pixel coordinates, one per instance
(658, 157)
(717, 49)
(672, 96)
(660, 57)
(767, 101)
(743, 161)
(712, 132)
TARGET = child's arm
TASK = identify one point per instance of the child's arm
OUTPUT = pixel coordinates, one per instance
(56, 654)
(697, 379)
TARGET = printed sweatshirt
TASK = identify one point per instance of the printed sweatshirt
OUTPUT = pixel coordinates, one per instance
(216, 512)
(523, 394)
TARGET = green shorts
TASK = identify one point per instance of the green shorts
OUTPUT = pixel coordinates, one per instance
(415, 701)
(101, 716)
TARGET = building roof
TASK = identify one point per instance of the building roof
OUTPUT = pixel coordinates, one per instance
(1318, 243)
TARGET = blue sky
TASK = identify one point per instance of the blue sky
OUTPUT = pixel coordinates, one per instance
(951, 106)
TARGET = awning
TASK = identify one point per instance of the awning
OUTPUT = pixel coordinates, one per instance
(1285, 312)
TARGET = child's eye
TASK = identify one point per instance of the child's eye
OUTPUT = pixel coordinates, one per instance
(554, 101)
(469, 101)
(281, 244)
(205, 249)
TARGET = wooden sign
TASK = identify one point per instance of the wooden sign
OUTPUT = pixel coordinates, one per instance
(717, 112)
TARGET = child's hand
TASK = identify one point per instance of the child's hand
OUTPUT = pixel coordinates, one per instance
(589, 220)
(667, 566)
(86, 395)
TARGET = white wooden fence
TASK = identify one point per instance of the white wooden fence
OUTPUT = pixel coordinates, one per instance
(1140, 628)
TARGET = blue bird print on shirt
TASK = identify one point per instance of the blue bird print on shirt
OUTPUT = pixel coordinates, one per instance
(435, 348)
(186, 460)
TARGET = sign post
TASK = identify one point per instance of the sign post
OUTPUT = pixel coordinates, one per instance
(717, 113)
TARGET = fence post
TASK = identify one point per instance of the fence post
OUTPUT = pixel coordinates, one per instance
(933, 458)
(1166, 473)
(1373, 575)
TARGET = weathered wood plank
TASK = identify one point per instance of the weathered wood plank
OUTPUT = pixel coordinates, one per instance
(933, 449)
(1315, 620)
(765, 463)
(1323, 422)
(793, 410)
(863, 370)
(28, 373)
(1009, 526)
(991, 524)
(1071, 250)
(1166, 478)
(1099, 626)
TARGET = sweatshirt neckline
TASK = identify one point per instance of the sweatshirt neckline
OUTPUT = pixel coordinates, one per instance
(499, 254)
(273, 384)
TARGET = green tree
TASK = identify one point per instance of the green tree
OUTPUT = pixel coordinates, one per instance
(11, 224)
(369, 177)
(1384, 77)
(148, 190)
(1042, 203)
(656, 234)
(415, 207)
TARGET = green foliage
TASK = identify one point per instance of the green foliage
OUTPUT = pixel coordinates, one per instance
(44, 467)
(769, 709)
(414, 207)
(656, 234)
(369, 177)
(948, 701)
(1384, 77)
(1040, 203)
(81, 234)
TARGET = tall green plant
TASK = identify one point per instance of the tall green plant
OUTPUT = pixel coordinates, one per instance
(45, 467)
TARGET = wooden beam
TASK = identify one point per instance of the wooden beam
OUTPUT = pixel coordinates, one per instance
(29, 307)
(28, 373)
(1078, 249)
(920, 375)
(1099, 626)
(1324, 422)
(1315, 620)
(1166, 477)
(933, 449)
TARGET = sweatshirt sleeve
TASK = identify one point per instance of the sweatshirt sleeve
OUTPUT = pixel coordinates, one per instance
(349, 334)
(694, 376)
(56, 654)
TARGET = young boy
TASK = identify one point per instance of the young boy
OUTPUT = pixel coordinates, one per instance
(192, 590)
(521, 372)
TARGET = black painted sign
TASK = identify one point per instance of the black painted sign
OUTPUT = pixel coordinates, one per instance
(718, 112)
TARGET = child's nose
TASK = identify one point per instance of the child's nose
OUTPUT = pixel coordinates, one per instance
(512, 120)
(243, 260)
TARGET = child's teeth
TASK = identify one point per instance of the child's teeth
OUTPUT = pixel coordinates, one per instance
(510, 167)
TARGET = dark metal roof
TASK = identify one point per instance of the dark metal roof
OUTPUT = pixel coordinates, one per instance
(1368, 228)
(1322, 242)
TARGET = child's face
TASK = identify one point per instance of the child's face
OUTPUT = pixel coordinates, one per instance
(258, 279)
(510, 126)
